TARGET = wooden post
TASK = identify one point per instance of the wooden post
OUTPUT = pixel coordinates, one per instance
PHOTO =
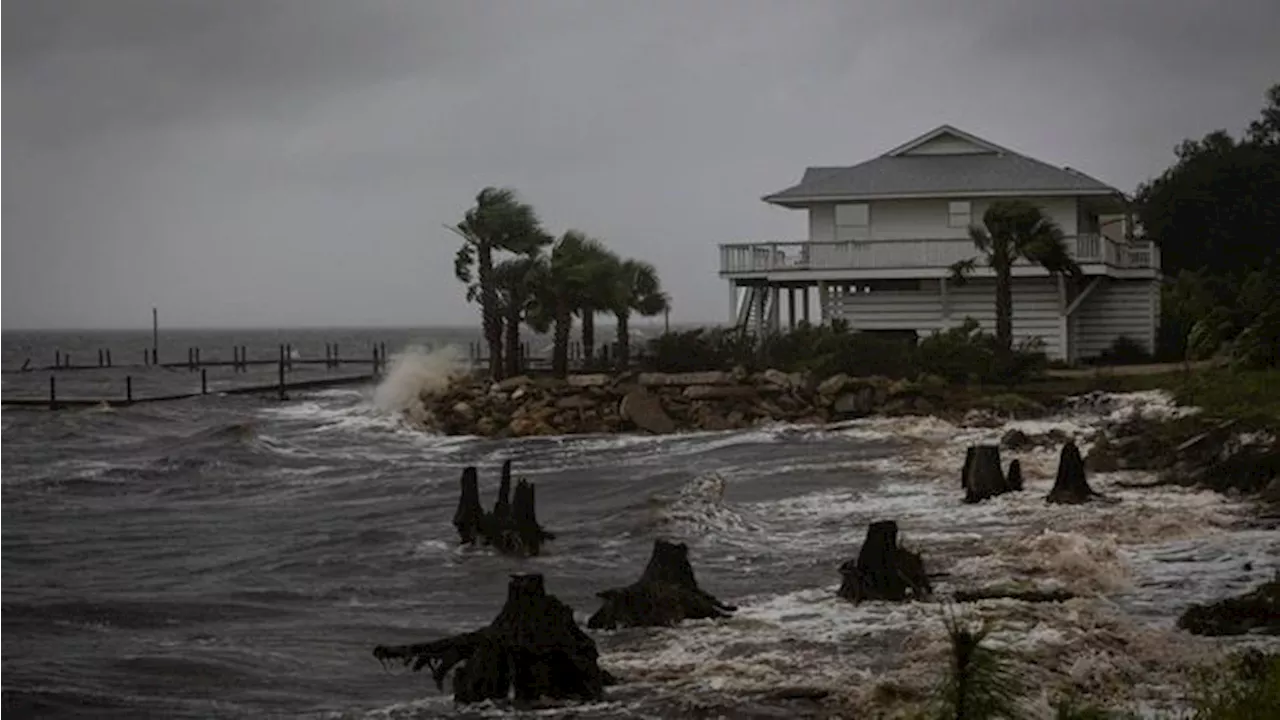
(197, 357)
(108, 357)
(66, 360)
(128, 388)
(146, 357)
(101, 359)
(53, 393)
(337, 362)
(791, 308)
(282, 377)
(375, 359)
(204, 381)
(189, 359)
(328, 355)
(155, 337)
(57, 358)
(288, 355)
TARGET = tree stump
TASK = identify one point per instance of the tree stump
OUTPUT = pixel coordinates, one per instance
(983, 476)
(1014, 478)
(532, 648)
(882, 570)
(512, 527)
(666, 593)
(1070, 486)
(469, 518)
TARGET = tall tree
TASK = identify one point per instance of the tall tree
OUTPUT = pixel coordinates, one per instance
(559, 291)
(636, 289)
(1014, 230)
(600, 273)
(516, 279)
(1218, 207)
(498, 222)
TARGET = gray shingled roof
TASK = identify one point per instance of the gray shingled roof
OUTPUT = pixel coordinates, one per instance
(939, 174)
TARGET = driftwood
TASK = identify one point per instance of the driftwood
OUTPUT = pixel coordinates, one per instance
(983, 476)
(1070, 487)
(533, 647)
(882, 570)
(665, 594)
(512, 527)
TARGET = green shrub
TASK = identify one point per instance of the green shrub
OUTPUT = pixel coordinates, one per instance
(1246, 688)
(700, 349)
(1124, 350)
(963, 354)
(1258, 345)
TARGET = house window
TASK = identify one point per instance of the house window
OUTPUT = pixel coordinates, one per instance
(853, 222)
(959, 214)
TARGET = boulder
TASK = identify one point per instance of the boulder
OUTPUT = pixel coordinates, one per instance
(711, 377)
(464, 411)
(575, 402)
(644, 410)
(718, 392)
(513, 383)
(858, 403)
(1258, 610)
(589, 381)
(833, 385)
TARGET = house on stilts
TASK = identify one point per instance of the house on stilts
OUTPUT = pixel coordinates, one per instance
(884, 233)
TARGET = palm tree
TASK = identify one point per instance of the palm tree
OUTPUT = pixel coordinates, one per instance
(636, 290)
(516, 280)
(1014, 230)
(498, 222)
(560, 287)
(600, 271)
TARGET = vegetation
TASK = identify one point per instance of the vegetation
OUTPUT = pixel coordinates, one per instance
(507, 268)
(981, 683)
(962, 355)
(1216, 216)
(1012, 231)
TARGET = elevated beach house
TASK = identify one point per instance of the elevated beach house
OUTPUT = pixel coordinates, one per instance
(884, 233)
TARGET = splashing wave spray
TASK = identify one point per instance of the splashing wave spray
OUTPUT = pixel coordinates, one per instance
(416, 371)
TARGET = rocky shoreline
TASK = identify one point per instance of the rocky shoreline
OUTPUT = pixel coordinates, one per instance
(696, 401)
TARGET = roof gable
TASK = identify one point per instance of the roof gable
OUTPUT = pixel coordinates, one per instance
(945, 161)
(946, 140)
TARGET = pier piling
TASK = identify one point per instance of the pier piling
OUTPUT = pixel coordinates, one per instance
(204, 381)
(53, 393)
(128, 389)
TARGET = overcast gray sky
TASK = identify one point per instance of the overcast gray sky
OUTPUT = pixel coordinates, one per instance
(285, 162)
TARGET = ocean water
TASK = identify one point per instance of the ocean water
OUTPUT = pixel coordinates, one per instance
(240, 557)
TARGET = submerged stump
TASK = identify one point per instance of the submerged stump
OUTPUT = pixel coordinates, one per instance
(533, 649)
(883, 570)
(983, 476)
(1014, 477)
(512, 527)
(1070, 486)
(666, 593)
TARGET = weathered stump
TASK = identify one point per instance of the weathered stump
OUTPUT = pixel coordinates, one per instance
(1014, 477)
(882, 570)
(983, 476)
(666, 593)
(469, 518)
(512, 527)
(532, 648)
(1070, 487)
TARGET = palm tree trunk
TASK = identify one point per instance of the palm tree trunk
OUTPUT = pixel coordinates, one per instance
(512, 329)
(560, 346)
(588, 335)
(1004, 306)
(624, 341)
(491, 313)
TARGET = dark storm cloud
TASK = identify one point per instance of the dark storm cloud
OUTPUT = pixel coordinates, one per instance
(280, 162)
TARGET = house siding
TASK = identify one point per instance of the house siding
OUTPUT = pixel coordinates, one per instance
(1115, 308)
(918, 219)
(1036, 310)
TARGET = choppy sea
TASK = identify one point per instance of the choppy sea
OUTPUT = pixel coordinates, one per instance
(231, 556)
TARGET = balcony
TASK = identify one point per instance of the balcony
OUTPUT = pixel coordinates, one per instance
(939, 254)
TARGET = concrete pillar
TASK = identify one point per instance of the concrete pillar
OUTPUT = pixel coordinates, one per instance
(733, 302)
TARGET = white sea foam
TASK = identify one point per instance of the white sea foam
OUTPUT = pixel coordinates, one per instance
(415, 371)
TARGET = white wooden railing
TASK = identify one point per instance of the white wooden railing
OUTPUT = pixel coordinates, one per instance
(890, 254)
